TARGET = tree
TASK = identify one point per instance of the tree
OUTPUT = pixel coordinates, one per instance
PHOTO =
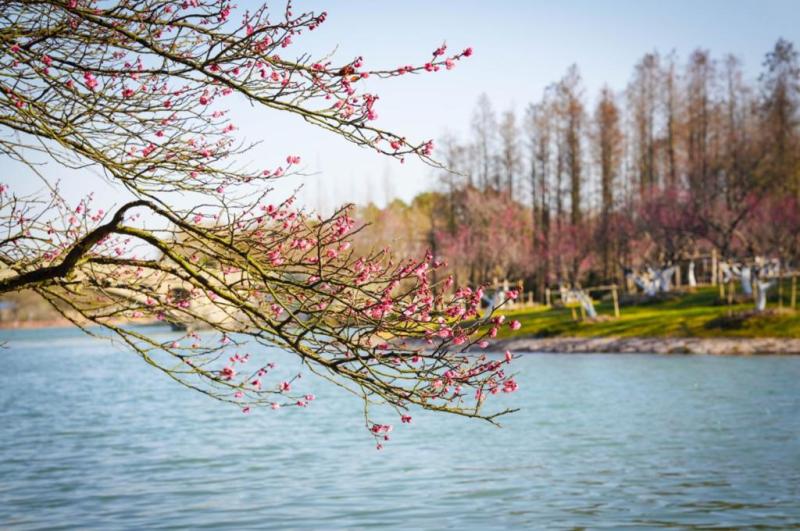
(671, 111)
(133, 90)
(491, 237)
(700, 86)
(509, 152)
(484, 130)
(539, 129)
(781, 104)
(608, 153)
(572, 116)
(643, 93)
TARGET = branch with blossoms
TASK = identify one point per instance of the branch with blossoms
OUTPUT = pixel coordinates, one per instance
(270, 275)
(133, 89)
(136, 87)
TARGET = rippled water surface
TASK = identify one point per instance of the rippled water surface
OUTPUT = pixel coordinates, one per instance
(92, 437)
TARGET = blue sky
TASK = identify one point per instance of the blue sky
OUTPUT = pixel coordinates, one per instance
(520, 47)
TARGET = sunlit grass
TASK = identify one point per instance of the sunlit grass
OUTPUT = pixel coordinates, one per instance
(698, 314)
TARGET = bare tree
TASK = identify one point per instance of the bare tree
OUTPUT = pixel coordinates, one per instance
(608, 152)
(701, 73)
(572, 115)
(781, 104)
(510, 158)
(643, 94)
(484, 131)
(671, 102)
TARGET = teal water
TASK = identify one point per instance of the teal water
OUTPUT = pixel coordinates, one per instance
(93, 438)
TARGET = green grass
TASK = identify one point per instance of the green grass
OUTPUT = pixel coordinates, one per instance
(698, 314)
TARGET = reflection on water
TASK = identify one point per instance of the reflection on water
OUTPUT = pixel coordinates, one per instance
(91, 437)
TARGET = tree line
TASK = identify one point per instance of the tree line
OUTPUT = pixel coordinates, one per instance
(690, 156)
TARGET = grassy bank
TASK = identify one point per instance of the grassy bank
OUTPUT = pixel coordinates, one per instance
(698, 314)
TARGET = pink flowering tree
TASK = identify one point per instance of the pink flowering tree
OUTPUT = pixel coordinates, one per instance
(667, 219)
(135, 90)
(489, 238)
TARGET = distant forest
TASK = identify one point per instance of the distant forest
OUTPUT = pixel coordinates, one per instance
(691, 156)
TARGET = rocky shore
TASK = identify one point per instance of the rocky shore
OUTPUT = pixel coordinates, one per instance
(653, 345)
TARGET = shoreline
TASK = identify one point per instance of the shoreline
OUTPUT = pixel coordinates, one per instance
(61, 323)
(716, 346)
(33, 325)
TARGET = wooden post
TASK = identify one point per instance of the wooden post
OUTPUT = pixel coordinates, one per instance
(547, 297)
(721, 289)
(755, 290)
(794, 291)
(678, 275)
(780, 289)
(616, 300)
(714, 267)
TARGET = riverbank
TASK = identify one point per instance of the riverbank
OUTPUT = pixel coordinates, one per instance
(652, 345)
(26, 325)
(678, 323)
(695, 315)
(682, 323)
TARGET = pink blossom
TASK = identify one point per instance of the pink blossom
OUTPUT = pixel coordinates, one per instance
(510, 386)
(90, 80)
(515, 325)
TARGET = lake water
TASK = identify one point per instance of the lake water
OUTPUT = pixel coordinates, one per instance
(92, 437)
